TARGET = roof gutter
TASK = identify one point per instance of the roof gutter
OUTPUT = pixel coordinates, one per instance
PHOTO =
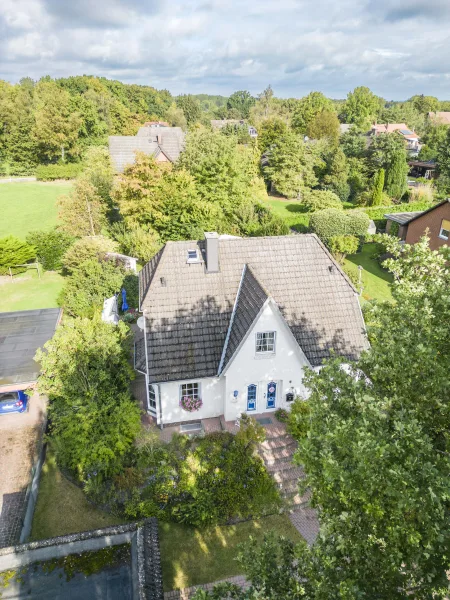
(227, 339)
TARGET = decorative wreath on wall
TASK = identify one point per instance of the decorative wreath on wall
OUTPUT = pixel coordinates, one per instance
(190, 404)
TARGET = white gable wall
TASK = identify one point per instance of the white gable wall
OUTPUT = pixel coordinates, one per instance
(285, 367)
(211, 393)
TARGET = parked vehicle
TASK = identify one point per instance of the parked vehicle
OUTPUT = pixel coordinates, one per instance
(11, 402)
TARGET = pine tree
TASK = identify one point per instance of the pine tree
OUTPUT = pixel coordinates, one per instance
(396, 176)
(377, 190)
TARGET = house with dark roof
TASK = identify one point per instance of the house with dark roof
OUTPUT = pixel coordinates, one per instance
(153, 139)
(411, 226)
(234, 322)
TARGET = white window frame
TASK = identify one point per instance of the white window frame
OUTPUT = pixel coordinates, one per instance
(258, 343)
(442, 236)
(186, 386)
(152, 391)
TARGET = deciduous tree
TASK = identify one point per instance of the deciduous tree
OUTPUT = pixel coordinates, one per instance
(86, 374)
(82, 212)
(362, 107)
(308, 108)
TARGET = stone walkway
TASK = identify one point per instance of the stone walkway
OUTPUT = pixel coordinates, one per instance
(187, 593)
(278, 452)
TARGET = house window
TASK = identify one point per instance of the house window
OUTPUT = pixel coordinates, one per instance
(265, 342)
(444, 233)
(190, 389)
(152, 397)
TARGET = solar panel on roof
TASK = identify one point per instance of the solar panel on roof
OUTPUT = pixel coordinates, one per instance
(406, 131)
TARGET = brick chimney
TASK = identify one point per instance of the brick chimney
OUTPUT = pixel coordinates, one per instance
(212, 251)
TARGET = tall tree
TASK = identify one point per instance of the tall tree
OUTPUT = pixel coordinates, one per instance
(291, 165)
(57, 125)
(397, 170)
(86, 374)
(82, 212)
(308, 108)
(376, 196)
(190, 107)
(265, 99)
(269, 131)
(335, 176)
(362, 107)
(241, 101)
(324, 125)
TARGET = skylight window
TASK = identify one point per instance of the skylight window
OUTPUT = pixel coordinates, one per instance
(193, 256)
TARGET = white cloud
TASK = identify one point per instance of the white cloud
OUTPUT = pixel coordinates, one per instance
(217, 46)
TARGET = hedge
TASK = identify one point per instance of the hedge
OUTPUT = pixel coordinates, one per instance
(331, 222)
(53, 172)
(376, 213)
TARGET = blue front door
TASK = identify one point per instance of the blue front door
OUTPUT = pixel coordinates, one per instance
(251, 397)
(271, 394)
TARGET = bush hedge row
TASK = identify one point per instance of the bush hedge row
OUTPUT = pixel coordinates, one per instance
(53, 172)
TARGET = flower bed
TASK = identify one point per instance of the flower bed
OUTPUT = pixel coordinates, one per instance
(190, 404)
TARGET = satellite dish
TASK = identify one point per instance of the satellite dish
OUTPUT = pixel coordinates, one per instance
(141, 323)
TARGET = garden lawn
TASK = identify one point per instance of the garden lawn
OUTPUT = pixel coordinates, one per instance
(293, 213)
(28, 206)
(376, 281)
(192, 556)
(27, 292)
(62, 507)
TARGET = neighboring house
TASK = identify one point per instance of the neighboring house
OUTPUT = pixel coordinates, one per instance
(235, 322)
(157, 140)
(21, 334)
(220, 123)
(411, 138)
(413, 225)
(439, 118)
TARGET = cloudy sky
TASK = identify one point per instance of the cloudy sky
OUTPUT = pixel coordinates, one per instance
(396, 47)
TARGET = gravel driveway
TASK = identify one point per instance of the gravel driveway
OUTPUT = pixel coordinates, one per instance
(20, 436)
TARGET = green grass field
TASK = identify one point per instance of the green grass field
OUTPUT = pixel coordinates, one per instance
(376, 281)
(27, 292)
(192, 556)
(28, 206)
(61, 506)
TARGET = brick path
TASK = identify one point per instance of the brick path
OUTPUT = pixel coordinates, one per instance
(187, 593)
(19, 434)
(277, 452)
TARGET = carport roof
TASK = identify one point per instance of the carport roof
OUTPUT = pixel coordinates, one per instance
(21, 334)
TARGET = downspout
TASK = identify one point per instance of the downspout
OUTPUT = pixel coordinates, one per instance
(146, 364)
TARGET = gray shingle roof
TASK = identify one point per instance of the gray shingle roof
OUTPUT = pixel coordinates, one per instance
(188, 311)
(21, 334)
(150, 140)
(404, 217)
(249, 302)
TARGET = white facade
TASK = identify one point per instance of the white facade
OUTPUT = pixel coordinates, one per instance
(274, 374)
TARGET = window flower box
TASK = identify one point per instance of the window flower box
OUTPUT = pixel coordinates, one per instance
(190, 404)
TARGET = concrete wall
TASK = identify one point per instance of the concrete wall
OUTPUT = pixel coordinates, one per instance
(285, 367)
(432, 221)
(211, 392)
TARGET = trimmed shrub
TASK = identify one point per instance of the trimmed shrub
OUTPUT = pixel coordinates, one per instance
(14, 252)
(281, 415)
(315, 200)
(341, 245)
(53, 172)
(333, 222)
(50, 247)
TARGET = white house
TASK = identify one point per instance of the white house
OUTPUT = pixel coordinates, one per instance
(235, 321)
